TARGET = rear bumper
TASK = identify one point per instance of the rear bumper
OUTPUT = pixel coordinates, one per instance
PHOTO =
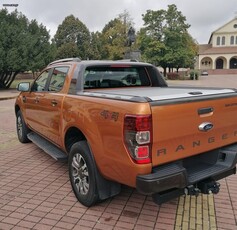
(216, 164)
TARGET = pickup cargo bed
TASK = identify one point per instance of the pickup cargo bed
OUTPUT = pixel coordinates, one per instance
(163, 94)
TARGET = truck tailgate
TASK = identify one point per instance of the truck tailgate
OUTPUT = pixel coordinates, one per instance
(192, 122)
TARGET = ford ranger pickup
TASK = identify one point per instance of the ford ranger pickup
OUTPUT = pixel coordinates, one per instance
(118, 122)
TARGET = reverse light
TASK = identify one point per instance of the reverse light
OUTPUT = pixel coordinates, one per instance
(143, 137)
(137, 137)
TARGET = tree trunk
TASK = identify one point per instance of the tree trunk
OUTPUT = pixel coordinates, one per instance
(6, 79)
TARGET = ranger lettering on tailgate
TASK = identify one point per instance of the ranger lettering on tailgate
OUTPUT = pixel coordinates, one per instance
(198, 143)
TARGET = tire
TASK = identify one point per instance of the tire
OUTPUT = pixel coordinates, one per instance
(82, 174)
(22, 129)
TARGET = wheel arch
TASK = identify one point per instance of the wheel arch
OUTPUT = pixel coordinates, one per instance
(17, 108)
(73, 135)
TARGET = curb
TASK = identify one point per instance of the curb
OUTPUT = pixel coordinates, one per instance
(7, 98)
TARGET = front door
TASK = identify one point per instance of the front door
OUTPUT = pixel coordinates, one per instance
(44, 102)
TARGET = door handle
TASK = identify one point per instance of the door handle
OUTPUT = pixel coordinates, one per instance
(36, 100)
(54, 102)
(24, 99)
(205, 112)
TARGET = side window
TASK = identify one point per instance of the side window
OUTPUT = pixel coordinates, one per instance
(57, 79)
(72, 87)
(40, 83)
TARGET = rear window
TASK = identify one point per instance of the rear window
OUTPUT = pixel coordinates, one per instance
(113, 77)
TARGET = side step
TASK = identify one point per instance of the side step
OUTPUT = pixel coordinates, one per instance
(47, 146)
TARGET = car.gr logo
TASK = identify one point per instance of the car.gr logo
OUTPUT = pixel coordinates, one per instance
(206, 126)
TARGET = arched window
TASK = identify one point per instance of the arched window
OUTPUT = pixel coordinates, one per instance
(232, 40)
(218, 41)
(223, 40)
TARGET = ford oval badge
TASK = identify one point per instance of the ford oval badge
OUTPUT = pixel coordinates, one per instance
(206, 126)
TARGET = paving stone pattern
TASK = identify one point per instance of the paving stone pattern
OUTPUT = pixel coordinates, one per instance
(35, 192)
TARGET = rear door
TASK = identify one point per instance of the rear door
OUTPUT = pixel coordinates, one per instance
(53, 103)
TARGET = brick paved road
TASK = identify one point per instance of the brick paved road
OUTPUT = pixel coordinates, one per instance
(35, 193)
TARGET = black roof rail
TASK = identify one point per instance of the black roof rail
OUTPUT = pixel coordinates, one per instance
(65, 60)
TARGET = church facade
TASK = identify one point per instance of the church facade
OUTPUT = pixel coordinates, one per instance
(219, 56)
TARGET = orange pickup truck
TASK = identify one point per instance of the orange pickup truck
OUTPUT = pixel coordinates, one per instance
(117, 122)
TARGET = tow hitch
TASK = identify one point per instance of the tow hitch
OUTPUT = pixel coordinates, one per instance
(208, 186)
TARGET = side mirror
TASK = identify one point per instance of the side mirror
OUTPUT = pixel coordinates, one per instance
(23, 86)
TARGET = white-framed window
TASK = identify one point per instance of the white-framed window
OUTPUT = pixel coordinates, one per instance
(223, 40)
(218, 40)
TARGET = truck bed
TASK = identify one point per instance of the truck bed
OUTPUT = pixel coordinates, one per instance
(162, 94)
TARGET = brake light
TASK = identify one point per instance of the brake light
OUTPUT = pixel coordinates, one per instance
(137, 137)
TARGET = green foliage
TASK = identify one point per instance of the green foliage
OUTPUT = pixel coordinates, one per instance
(113, 40)
(114, 37)
(194, 75)
(72, 31)
(96, 46)
(165, 41)
(67, 50)
(24, 45)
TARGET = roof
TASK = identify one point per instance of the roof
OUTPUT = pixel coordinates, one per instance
(234, 19)
(208, 49)
(202, 48)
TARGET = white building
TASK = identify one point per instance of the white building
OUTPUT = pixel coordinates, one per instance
(219, 56)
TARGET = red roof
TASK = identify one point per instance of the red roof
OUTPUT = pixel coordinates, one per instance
(208, 49)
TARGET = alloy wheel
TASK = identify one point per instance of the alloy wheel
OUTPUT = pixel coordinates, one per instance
(80, 174)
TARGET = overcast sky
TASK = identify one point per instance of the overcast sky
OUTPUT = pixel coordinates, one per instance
(204, 16)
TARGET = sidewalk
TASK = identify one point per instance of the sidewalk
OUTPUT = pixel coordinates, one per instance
(8, 94)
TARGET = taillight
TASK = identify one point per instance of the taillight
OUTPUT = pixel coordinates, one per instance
(137, 137)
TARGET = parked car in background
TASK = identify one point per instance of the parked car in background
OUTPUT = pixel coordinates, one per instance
(204, 73)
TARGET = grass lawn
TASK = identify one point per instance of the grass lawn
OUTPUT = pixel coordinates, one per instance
(16, 82)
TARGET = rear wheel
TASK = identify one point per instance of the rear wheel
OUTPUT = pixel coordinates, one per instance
(82, 174)
(22, 129)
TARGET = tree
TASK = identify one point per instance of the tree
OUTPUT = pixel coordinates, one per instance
(73, 31)
(24, 46)
(164, 39)
(96, 46)
(114, 37)
(39, 48)
(113, 40)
